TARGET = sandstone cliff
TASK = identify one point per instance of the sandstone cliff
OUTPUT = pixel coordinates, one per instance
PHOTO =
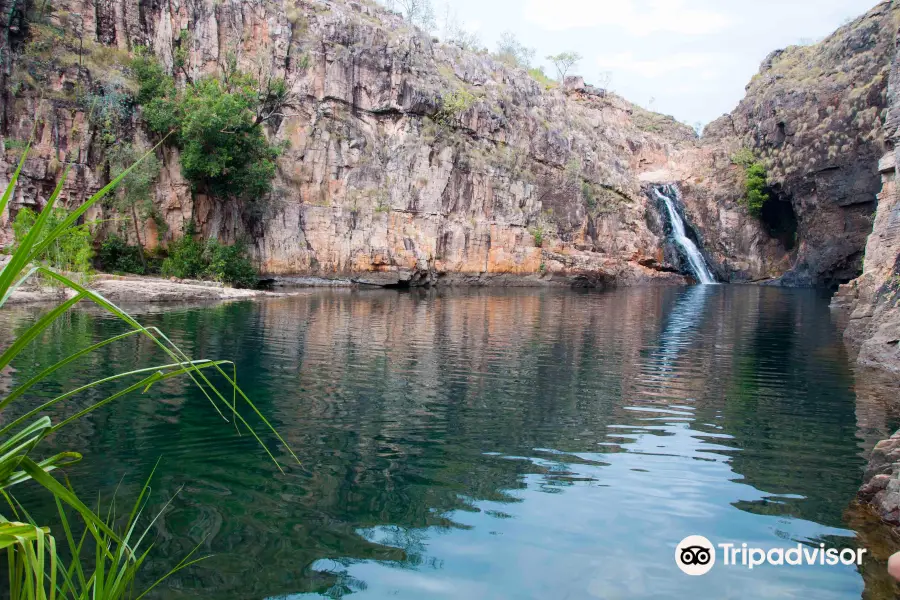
(873, 299)
(526, 181)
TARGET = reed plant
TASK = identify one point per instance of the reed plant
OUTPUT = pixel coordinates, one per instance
(46, 561)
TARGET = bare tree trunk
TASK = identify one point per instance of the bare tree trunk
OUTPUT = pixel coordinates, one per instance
(137, 235)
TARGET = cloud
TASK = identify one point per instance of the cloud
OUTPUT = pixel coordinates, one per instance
(700, 62)
(637, 17)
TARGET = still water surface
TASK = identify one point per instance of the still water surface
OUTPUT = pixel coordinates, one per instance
(487, 443)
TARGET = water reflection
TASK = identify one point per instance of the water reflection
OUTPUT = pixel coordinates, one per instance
(490, 444)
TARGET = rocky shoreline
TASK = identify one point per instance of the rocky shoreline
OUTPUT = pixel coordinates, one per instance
(134, 289)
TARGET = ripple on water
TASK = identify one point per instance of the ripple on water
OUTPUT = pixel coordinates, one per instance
(487, 443)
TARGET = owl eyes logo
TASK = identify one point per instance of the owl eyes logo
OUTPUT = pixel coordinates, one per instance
(695, 555)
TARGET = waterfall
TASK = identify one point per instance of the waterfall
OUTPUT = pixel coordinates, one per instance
(687, 245)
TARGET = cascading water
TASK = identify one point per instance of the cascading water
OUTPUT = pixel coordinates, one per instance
(695, 258)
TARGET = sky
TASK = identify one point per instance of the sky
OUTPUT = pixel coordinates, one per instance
(686, 58)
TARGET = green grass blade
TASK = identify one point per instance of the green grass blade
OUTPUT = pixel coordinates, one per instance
(50, 370)
(184, 564)
(24, 253)
(63, 459)
(33, 431)
(142, 384)
(202, 364)
(60, 491)
(36, 329)
(75, 549)
(13, 287)
(4, 201)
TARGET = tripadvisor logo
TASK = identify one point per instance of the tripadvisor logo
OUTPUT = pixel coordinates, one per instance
(696, 555)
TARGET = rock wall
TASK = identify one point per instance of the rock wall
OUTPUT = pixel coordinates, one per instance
(813, 115)
(371, 183)
(873, 298)
(873, 303)
(736, 244)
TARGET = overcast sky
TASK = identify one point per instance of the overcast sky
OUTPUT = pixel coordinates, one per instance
(687, 58)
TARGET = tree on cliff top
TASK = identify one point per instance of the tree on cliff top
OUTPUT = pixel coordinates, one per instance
(418, 12)
(453, 31)
(511, 51)
(563, 62)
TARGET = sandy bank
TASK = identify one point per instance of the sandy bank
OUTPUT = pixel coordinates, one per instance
(134, 289)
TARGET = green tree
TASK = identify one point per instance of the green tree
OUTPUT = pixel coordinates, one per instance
(563, 62)
(134, 196)
(514, 53)
(222, 142)
(217, 122)
(418, 12)
(453, 31)
(71, 250)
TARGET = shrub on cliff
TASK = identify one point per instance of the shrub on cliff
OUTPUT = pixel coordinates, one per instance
(185, 259)
(755, 188)
(191, 259)
(153, 81)
(230, 264)
(541, 77)
(116, 255)
(756, 191)
(453, 105)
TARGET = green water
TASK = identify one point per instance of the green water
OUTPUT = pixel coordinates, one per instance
(486, 443)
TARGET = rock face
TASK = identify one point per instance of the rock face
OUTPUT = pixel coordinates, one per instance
(736, 245)
(882, 480)
(873, 299)
(524, 181)
(523, 184)
(813, 115)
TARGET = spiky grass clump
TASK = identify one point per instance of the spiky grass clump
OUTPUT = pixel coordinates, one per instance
(35, 570)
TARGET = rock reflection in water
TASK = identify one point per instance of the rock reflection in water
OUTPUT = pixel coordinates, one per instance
(489, 443)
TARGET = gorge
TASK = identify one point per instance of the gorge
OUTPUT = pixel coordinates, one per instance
(436, 420)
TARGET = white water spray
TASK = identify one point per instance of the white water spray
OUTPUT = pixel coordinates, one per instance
(698, 265)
